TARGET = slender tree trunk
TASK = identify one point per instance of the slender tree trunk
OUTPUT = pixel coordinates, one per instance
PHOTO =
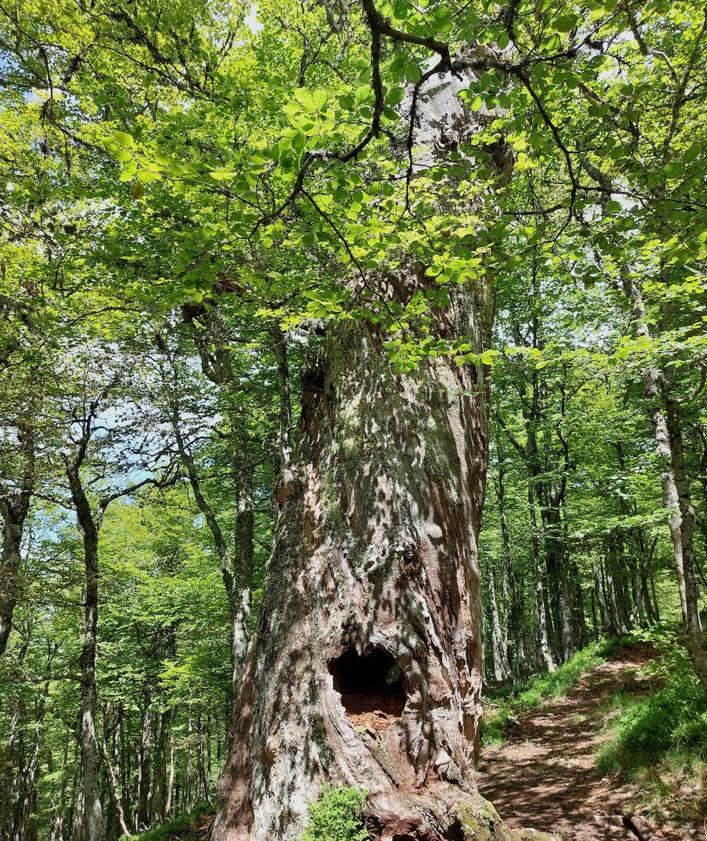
(14, 507)
(14, 511)
(188, 767)
(92, 816)
(651, 384)
(279, 342)
(170, 778)
(599, 596)
(11, 763)
(113, 779)
(688, 528)
(74, 811)
(541, 614)
(26, 813)
(235, 557)
(514, 587)
(242, 578)
(556, 561)
(676, 499)
(208, 758)
(158, 793)
(143, 769)
(615, 624)
(58, 802)
(501, 670)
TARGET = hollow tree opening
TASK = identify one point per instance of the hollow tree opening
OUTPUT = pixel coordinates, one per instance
(371, 685)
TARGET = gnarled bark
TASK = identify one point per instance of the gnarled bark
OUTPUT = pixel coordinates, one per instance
(375, 551)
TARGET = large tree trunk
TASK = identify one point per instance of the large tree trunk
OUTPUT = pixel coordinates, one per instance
(366, 667)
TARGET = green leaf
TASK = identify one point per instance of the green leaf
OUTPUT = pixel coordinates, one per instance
(122, 138)
(565, 23)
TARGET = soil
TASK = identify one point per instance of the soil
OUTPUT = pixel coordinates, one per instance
(545, 778)
(372, 712)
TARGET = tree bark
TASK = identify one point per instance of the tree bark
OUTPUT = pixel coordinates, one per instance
(143, 766)
(113, 777)
(92, 816)
(511, 577)
(375, 555)
(676, 499)
(688, 528)
(235, 557)
(499, 657)
(541, 613)
(14, 507)
(651, 384)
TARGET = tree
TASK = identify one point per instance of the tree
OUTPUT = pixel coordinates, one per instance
(317, 173)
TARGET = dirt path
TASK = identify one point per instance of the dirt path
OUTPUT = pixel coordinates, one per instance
(544, 777)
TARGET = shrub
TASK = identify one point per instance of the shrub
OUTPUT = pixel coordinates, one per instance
(337, 816)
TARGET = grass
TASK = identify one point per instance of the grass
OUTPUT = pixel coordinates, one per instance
(536, 691)
(177, 826)
(660, 739)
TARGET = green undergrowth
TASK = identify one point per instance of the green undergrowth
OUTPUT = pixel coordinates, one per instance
(658, 733)
(534, 692)
(337, 816)
(179, 827)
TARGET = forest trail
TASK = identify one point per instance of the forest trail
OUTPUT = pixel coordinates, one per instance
(544, 777)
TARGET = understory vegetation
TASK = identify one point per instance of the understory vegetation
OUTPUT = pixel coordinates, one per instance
(656, 725)
(503, 705)
(658, 732)
(187, 827)
(337, 816)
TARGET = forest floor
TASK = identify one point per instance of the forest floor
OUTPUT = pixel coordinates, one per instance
(545, 775)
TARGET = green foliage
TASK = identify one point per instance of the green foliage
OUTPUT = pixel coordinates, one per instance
(671, 719)
(179, 827)
(337, 816)
(164, 163)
